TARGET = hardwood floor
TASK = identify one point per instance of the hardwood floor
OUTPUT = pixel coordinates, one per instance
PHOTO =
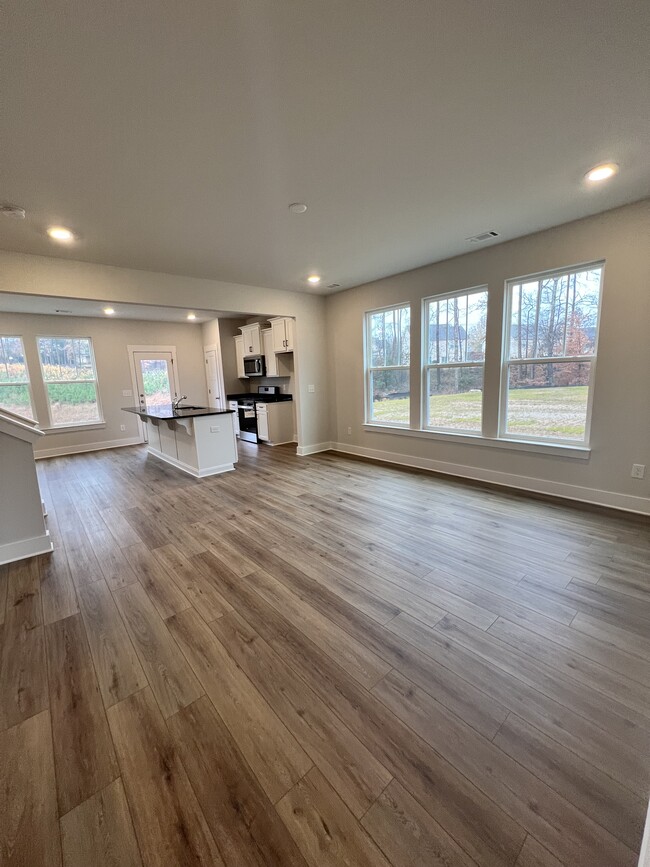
(321, 661)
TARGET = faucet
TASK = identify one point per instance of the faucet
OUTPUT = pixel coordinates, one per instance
(176, 402)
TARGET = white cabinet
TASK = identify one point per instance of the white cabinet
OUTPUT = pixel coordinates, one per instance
(282, 331)
(269, 353)
(239, 352)
(232, 404)
(252, 339)
(275, 422)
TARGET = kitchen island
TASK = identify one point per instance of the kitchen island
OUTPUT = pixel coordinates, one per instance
(197, 440)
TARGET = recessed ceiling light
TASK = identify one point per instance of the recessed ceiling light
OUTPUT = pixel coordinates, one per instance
(298, 208)
(60, 233)
(191, 316)
(313, 278)
(109, 311)
(602, 172)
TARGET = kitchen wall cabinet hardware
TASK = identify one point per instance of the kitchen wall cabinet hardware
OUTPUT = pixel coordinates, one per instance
(269, 353)
(282, 329)
(252, 339)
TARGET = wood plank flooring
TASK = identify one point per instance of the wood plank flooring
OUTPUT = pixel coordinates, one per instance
(321, 661)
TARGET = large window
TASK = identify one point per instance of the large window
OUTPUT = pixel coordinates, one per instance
(388, 355)
(15, 393)
(454, 355)
(551, 328)
(70, 379)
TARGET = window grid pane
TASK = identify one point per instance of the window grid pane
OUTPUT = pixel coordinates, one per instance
(555, 316)
(388, 348)
(455, 398)
(66, 359)
(548, 401)
(15, 395)
(13, 367)
(456, 328)
(390, 337)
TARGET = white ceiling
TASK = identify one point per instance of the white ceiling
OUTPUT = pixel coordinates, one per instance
(11, 302)
(172, 136)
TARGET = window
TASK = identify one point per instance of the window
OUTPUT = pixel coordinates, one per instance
(15, 393)
(388, 355)
(70, 379)
(549, 351)
(454, 350)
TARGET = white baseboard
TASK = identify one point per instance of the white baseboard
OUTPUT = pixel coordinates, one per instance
(11, 551)
(86, 447)
(644, 857)
(610, 499)
(303, 451)
(192, 471)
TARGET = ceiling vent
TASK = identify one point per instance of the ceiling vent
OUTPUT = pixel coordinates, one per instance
(334, 286)
(60, 310)
(484, 236)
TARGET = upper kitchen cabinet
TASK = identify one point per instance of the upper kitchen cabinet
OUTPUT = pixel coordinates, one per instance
(282, 332)
(252, 339)
(269, 354)
(239, 353)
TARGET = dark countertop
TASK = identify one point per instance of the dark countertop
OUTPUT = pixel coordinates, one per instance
(166, 413)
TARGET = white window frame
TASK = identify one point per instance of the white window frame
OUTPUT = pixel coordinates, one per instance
(63, 425)
(507, 362)
(29, 378)
(368, 368)
(426, 366)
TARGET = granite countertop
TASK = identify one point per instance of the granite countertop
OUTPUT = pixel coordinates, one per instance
(167, 413)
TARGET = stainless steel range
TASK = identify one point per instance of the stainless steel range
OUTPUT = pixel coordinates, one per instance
(246, 408)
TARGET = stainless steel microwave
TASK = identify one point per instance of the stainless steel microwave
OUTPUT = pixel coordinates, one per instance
(254, 365)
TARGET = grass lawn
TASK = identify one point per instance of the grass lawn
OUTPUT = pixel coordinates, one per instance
(543, 412)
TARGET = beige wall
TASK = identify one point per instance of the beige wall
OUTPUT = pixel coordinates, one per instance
(110, 339)
(621, 412)
(40, 275)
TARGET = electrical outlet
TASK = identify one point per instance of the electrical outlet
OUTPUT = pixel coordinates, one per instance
(349, 430)
(638, 471)
(122, 427)
(126, 392)
(311, 389)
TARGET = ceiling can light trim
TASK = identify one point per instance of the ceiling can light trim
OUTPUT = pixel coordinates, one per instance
(15, 212)
(602, 172)
(314, 279)
(191, 316)
(109, 311)
(61, 234)
(297, 207)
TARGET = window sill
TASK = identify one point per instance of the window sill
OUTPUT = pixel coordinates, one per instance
(562, 450)
(68, 428)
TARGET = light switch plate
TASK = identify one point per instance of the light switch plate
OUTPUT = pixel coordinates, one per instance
(214, 428)
(126, 392)
(311, 388)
